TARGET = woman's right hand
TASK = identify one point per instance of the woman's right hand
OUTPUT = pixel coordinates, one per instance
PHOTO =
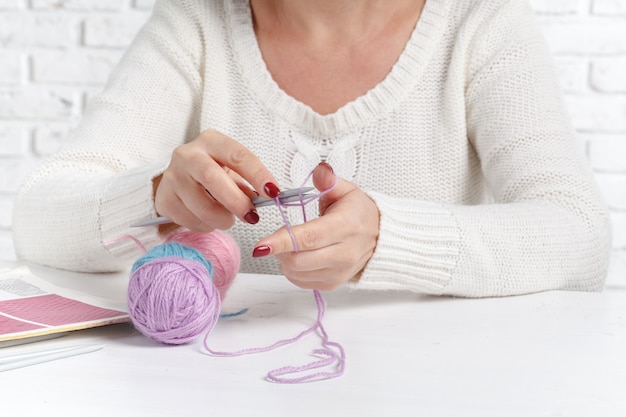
(207, 184)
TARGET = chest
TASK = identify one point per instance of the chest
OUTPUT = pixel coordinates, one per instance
(326, 83)
(329, 73)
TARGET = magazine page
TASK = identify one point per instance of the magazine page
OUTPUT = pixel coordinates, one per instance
(37, 301)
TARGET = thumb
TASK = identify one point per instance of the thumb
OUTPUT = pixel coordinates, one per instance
(333, 187)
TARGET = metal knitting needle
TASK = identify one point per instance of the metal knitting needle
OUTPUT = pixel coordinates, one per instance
(8, 363)
(287, 196)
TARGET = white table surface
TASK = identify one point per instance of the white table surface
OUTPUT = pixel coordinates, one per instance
(548, 354)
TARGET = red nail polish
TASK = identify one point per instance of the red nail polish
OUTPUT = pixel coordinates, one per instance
(261, 251)
(327, 165)
(251, 217)
(272, 189)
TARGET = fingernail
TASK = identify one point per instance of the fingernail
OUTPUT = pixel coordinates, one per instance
(261, 251)
(251, 217)
(272, 189)
(327, 165)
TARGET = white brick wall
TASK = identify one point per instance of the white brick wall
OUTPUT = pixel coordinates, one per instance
(54, 53)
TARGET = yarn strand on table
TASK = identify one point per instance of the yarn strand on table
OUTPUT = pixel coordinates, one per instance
(327, 354)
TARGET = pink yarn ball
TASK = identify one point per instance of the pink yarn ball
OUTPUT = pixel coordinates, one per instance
(220, 249)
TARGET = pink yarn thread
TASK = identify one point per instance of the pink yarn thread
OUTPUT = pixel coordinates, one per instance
(220, 249)
(327, 354)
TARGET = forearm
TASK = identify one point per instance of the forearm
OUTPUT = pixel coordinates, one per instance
(101, 179)
(488, 250)
(64, 217)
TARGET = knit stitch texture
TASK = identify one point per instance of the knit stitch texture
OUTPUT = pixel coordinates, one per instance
(466, 147)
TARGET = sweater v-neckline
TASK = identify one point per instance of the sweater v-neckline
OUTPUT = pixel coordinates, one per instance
(375, 103)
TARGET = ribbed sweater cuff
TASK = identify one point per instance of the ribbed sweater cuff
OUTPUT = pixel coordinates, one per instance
(128, 199)
(417, 249)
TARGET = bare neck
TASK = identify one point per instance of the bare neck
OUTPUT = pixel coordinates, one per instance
(326, 53)
(327, 21)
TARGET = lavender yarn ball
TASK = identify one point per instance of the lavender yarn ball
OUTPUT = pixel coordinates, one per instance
(171, 296)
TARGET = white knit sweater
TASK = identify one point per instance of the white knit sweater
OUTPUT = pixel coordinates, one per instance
(465, 146)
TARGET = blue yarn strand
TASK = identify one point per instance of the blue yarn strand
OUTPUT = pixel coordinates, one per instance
(173, 249)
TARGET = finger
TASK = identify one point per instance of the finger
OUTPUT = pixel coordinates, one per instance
(234, 155)
(307, 261)
(201, 207)
(324, 176)
(178, 213)
(325, 279)
(186, 203)
(243, 185)
(303, 237)
(332, 187)
(181, 198)
(217, 181)
(316, 265)
(314, 285)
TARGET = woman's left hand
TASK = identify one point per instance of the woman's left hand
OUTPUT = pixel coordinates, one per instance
(333, 248)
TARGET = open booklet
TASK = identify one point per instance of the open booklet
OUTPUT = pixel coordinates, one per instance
(37, 302)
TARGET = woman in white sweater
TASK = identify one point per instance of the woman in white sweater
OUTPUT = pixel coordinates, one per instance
(459, 172)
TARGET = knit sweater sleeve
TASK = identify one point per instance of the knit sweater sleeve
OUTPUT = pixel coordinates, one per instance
(100, 181)
(547, 227)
